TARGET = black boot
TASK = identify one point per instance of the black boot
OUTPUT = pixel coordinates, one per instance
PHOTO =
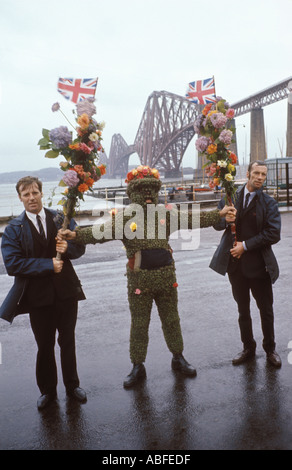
(137, 373)
(179, 363)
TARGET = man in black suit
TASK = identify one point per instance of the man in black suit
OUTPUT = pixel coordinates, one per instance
(45, 287)
(251, 264)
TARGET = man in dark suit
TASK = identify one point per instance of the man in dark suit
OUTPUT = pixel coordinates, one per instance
(45, 287)
(251, 264)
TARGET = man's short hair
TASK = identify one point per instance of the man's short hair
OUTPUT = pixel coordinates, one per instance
(28, 181)
(256, 162)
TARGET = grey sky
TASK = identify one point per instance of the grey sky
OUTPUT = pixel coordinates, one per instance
(135, 47)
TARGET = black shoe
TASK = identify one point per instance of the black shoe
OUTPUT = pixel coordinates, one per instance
(78, 394)
(137, 373)
(45, 400)
(180, 364)
(243, 356)
(274, 359)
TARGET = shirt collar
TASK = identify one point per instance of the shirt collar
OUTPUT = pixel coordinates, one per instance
(32, 216)
(252, 194)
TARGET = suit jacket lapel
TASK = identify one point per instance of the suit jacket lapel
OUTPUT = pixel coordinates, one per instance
(51, 227)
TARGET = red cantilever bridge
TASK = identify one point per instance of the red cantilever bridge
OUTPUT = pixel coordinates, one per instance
(166, 129)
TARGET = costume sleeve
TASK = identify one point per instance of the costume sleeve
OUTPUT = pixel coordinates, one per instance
(201, 219)
(183, 219)
(15, 260)
(99, 233)
(209, 218)
(84, 236)
(74, 251)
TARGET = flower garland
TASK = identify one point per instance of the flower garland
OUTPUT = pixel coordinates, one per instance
(213, 127)
(81, 170)
(141, 172)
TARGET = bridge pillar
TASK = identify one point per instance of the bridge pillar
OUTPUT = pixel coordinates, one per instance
(201, 160)
(289, 127)
(257, 135)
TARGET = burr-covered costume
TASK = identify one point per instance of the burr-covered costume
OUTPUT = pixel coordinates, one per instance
(150, 268)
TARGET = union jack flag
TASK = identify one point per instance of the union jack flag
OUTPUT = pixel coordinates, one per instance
(77, 89)
(202, 91)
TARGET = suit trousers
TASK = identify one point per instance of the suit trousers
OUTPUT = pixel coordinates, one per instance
(45, 322)
(261, 289)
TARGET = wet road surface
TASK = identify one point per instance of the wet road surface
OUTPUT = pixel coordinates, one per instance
(224, 408)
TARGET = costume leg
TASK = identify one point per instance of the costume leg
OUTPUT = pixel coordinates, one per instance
(166, 302)
(140, 308)
(263, 295)
(66, 314)
(240, 289)
(44, 328)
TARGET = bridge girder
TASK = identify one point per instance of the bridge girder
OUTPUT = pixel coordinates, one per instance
(270, 95)
(166, 128)
(165, 131)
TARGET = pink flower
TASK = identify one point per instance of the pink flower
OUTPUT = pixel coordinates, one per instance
(137, 291)
(211, 170)
(84, 148)
(230, 113)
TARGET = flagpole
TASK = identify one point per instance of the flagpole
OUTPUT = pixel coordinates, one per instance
(214, 86)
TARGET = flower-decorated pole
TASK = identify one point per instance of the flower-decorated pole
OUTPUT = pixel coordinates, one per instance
(81, 169)
(215, 136)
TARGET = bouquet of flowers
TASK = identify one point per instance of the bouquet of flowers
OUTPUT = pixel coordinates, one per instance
(81, 169)
(213, 127)
(215, 132)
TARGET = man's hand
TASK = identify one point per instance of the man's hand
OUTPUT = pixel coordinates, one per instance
(229, 212)
(238, 250)
(61, 246)
(58, 265)
(66, 234)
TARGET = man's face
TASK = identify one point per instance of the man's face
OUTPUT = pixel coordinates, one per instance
(31, 197)
(256, 177)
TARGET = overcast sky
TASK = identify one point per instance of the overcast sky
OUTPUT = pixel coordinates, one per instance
(135, 47)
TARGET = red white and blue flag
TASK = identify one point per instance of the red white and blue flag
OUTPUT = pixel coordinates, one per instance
(77, 89)
(202, 91)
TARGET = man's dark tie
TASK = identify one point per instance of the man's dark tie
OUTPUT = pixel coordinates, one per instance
(246, 200)
(41, 228)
